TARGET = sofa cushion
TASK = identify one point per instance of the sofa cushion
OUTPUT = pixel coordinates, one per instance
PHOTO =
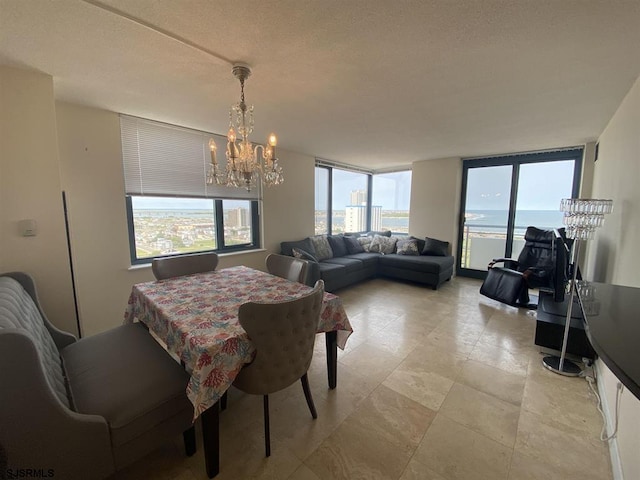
(435, 247)
(338, 247)
(303, 254)
(421, 243)
(408, 246)
(321, 248)
(426, 264)
(18, 310)
(350, 264)
(381, 244)
(365, 242)
(369, 259)
(125, 376)
(305, 244)
(352, 244)
(331, 271)
(385, 233)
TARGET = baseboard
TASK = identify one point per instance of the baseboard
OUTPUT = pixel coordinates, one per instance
(616, 465)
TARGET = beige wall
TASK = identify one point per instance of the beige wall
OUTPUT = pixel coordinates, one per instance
(435, 199)
(30, 189)
(91, 169)
(612, 255)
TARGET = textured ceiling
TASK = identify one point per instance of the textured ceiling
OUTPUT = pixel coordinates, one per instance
(374, 83)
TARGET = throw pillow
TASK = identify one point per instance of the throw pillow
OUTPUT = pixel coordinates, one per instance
(421, 243)
(407, 247)
(353, 245)
(337, 245)
(321, 247)
(366, 243)
(436, 248)
(303, 255)
(305, 244)
(384, 245)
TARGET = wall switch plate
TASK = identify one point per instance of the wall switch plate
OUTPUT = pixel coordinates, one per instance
(28, 228)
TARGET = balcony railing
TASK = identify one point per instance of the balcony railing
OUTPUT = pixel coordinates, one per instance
(481, 243)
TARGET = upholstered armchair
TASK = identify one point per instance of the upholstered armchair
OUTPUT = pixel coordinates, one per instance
(82, 409)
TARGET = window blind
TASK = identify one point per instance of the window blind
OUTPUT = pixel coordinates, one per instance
(166, 160)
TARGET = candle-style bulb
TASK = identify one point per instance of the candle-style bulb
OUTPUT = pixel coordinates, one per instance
(273, 140)
(213, 147)
(231, 136)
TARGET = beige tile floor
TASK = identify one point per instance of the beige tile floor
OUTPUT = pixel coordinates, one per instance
(438, 385)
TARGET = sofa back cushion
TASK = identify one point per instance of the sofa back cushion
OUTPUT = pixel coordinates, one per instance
(286, 248)
(338, 246)
(18, 310)
(353, 245)
(321, 247)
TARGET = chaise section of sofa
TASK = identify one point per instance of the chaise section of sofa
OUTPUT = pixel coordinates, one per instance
(341, 260)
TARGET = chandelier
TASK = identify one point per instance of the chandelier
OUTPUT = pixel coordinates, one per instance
(245, 164)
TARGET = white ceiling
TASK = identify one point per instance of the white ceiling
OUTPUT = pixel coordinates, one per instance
(375, 83)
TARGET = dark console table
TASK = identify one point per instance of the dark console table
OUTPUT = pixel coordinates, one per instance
(612, 315)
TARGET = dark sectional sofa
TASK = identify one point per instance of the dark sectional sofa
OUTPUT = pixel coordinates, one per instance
(339, 267)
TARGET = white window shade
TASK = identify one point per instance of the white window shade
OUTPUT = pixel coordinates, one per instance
(166, 160)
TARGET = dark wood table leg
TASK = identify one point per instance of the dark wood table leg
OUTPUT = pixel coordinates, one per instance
(211, 439)
(331, 339)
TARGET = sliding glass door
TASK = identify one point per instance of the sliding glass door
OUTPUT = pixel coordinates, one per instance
(502, 196)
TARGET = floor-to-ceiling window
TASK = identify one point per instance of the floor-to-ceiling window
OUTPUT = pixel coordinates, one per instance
(391, 195)
(352, 201)
(502, 196)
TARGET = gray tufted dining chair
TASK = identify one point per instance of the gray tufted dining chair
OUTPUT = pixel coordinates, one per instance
(283, 334)
(179, 265)
(287, 267)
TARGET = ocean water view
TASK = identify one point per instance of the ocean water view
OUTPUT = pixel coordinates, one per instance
(496, 220)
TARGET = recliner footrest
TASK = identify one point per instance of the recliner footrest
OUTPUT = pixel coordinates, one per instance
(506, 286)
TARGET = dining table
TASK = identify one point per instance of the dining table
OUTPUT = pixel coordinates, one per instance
(196, 317)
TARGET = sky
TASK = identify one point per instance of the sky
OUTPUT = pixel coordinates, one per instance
(541, 186)
(390, 190)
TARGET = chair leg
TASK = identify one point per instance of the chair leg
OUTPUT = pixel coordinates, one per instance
(267, 438)
(307, 394)
(189, 437)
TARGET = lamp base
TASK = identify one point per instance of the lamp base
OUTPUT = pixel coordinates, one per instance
(569, 369)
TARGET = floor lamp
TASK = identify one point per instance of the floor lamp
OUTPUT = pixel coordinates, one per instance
(581, 218)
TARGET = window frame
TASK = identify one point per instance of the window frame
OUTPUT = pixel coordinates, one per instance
(515, 161)
(219, 229)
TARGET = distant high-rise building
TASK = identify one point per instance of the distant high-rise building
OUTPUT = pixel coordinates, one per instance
(355, 215)
(358, 197)
(237, 217)
(376, 217)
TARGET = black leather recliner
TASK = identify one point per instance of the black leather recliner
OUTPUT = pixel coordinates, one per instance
(543, 264)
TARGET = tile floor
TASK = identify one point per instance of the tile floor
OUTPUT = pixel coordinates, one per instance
(437, 385)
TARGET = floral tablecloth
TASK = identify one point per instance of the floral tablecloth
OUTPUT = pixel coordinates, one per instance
(197, 317)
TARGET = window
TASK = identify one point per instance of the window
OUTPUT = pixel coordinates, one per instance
(343, 200)
(391, 195)
(322, 200)
(502, 196)
(170, 209)
(349, 201)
